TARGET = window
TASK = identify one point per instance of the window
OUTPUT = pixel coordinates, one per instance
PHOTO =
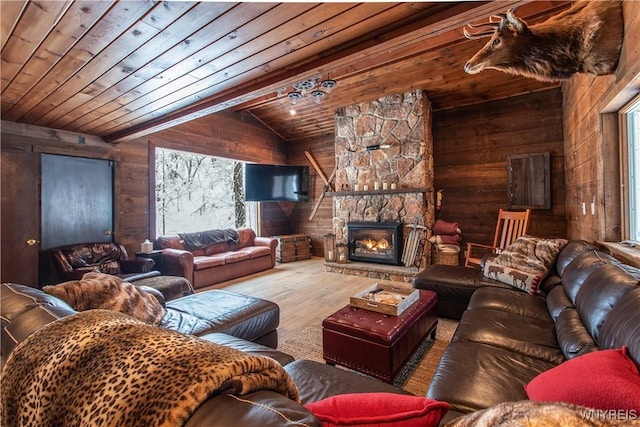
(195, 192)
(630, 126)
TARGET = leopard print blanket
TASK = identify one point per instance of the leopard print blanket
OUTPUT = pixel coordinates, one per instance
(103, 368)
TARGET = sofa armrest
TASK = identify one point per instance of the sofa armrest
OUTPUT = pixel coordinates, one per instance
(176, 262)
(269, 242)
(137, 265)
(265, 241)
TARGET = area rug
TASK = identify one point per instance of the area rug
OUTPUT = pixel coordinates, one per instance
(414, 377)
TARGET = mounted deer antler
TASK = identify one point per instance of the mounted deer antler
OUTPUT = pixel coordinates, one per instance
(547, 51)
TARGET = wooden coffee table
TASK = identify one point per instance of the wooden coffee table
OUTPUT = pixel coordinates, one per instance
(377, 344)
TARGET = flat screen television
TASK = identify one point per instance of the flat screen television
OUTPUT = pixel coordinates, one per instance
(268, 183)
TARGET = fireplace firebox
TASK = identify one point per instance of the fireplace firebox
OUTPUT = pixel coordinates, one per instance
(378, 242)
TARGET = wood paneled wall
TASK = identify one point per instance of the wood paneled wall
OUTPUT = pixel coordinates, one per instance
(229, 135)
(323, 151)
(471, 146)
(592, 141)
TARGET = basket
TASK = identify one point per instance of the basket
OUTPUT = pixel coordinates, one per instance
(445, 258)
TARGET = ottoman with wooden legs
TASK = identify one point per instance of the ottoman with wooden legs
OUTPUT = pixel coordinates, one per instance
(378, 344)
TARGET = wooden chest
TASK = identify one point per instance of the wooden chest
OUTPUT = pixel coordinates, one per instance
(293, 247)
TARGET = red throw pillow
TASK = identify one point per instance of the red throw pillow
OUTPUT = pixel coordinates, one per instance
(381, 409)
(605, 379)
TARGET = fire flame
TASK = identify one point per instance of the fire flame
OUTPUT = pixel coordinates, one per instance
(375, 245)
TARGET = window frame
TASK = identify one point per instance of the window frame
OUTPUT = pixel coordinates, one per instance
(627, 198)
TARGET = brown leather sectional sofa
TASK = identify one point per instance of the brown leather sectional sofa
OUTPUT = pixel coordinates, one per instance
(237, 321)
(217, 262)
(505, 337)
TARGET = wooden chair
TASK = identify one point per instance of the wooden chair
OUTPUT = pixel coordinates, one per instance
(510, 226)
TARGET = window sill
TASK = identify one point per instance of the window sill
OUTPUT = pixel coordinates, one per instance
(625, 253)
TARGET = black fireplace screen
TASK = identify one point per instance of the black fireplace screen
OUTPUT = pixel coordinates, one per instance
(378, 242)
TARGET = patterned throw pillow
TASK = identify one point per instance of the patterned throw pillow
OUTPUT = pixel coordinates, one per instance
(525, 262)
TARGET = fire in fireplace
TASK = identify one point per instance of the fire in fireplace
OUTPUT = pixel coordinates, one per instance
(379, 242)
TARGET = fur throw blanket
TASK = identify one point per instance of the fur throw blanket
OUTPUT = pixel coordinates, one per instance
(202, 239)
(543, 414)
(105, 291)
(103, 368)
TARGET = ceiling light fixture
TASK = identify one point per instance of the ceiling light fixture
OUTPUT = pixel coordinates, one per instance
(318, 90)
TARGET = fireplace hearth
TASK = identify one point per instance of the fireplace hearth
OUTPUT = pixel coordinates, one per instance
(376, 242)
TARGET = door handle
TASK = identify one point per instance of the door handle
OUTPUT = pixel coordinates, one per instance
(108, 232)
(32, 242)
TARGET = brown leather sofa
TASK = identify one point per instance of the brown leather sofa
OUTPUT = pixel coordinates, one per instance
(26, 309)
(217, 262)
(74, 261)
(506, 337)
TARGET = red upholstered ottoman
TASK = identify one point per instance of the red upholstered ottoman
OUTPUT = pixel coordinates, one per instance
(378, 344)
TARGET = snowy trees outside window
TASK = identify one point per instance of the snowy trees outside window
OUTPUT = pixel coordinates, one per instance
(195, 192)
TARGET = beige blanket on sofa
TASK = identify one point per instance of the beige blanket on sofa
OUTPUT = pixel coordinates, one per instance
(100, 367)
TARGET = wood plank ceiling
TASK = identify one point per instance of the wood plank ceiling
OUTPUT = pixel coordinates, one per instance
(122, 70)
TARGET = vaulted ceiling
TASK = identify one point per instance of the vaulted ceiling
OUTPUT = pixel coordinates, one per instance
(125, 69)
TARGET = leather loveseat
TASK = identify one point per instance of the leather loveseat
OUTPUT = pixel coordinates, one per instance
(205, 263)
(506, 338)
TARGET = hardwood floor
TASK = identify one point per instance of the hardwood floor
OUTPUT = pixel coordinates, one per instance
(305, 292)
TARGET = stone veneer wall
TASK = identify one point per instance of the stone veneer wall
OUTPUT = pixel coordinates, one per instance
(403, 120)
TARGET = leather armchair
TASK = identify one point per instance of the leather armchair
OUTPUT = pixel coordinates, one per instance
(73, 261)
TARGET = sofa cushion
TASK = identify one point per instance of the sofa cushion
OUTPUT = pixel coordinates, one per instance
(622, 327)
(202, 262)
(216, 310)
(557, 301)
(529, 336)
(580, 268)
(380, 409)
(606, 379)
(256, 251)
(246, 238)
(510, 301)
(573, 337)
(472, 376)
(525, 262)
(317, 381)
(97, 290)
(594, 301)
(571, 250)
(236, 256)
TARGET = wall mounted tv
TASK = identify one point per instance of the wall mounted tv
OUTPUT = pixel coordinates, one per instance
(270, 183)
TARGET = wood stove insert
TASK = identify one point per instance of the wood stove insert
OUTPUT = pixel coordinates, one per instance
(377, 242)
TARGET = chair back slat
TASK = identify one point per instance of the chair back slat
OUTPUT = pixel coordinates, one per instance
(510, 226)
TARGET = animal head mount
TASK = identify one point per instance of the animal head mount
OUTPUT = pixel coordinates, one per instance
(585, 38)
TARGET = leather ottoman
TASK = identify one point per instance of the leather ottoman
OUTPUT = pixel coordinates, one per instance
(171, 287)
(378, 344)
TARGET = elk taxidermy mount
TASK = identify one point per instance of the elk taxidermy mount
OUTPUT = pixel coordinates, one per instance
(586, 38)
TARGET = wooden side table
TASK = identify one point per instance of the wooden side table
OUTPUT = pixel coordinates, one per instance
(155, 255)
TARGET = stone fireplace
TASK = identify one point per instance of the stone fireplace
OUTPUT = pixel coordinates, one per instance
(384, 166)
